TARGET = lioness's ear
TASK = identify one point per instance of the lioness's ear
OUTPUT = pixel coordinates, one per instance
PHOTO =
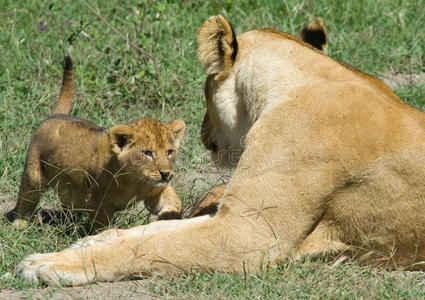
(217, 45)
(120, 136)
(177, 128)
(314, 33)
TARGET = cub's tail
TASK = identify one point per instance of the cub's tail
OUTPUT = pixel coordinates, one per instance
(67, 91)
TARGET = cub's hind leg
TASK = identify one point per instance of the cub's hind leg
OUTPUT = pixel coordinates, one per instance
(73, 197)
(101, 209)
(29, 190)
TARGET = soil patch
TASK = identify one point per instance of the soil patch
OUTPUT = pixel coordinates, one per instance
(104, 290)
(399, 80)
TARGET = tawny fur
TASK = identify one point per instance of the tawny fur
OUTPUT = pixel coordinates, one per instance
(333, 162)
(99, 170)
(67, 92)
(209, 201)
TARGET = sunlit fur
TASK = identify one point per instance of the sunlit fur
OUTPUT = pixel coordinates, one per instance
(99, 170)
(224, 133)
(333, 162)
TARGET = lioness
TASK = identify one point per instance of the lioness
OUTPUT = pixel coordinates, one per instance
(313, 33)
(96, 169)
(331, 160)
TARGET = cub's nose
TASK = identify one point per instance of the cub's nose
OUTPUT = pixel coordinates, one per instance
(165, 175)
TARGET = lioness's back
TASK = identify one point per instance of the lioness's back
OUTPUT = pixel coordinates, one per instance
(315, 64)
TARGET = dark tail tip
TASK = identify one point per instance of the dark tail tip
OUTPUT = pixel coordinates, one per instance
(67, 63)
(67, 91)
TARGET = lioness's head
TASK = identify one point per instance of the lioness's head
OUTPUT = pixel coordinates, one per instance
(231, 110)
(147, 149)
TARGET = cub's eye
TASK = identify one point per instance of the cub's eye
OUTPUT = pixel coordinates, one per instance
(170, 152)
(148, 153)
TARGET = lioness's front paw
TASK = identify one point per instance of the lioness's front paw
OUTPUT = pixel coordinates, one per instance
(87, 242)
(52, 268)
(96, 239)
(33, 268)
(83, 243)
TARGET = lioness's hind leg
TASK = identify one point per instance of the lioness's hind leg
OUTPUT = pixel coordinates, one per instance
(71, 194)
(29, 191)
(320, 243)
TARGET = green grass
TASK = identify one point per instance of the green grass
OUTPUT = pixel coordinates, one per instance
(116, 83)
(307, 280)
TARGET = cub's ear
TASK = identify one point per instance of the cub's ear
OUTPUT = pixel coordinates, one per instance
(120, 136)
(177, 128)
(217, 45)
(314, 33)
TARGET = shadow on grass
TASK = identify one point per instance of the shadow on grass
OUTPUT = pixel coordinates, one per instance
(73, 222)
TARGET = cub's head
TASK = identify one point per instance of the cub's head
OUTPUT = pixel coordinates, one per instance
(229, 62)
(147, 149)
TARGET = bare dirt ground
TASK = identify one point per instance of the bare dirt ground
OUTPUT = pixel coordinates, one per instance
(6, 203)
(399, 80)
(136, 289)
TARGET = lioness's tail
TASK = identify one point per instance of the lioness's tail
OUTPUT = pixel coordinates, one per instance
(67, 91)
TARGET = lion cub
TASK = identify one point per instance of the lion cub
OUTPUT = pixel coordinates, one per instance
(97, 169)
